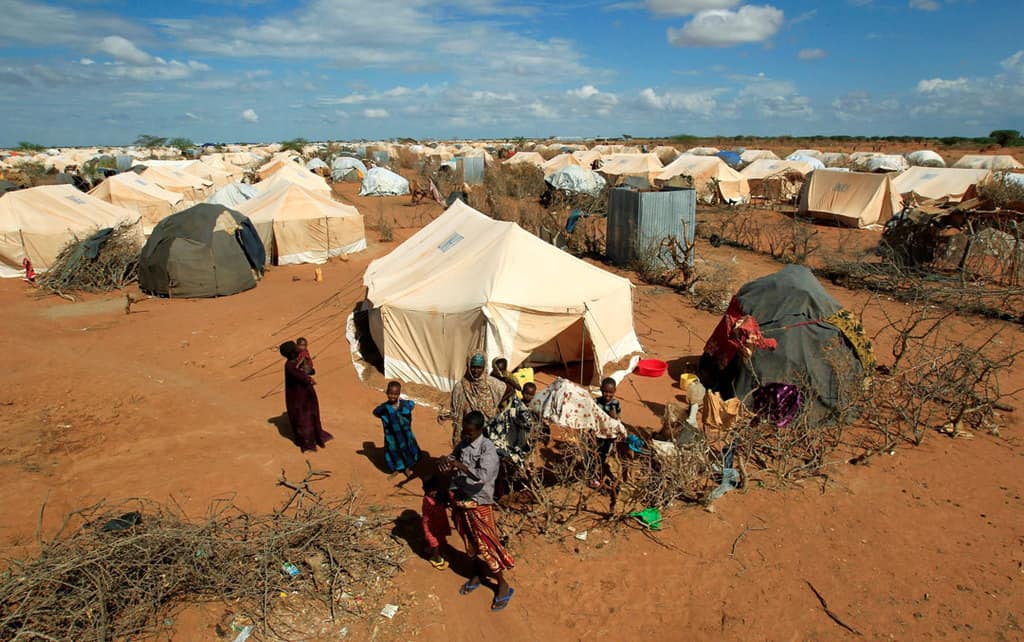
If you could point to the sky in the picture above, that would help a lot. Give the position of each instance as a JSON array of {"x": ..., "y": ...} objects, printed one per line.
[{"x": 95, "y": 72}]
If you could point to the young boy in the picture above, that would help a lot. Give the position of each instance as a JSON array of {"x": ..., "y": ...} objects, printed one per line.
[
  {"x": 305, "y": 363},
  {"x": 436, "y": 528},
  {"x": 610, "y": 405},
  {"x": 401, "y": 452}
]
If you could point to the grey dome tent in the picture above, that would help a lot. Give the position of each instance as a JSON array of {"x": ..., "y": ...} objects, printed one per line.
[{"x": 207, "y": 250}]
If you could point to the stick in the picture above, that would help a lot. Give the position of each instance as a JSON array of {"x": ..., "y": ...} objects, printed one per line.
[
  {"x": 741, "y": 536},
  {"x": 832, "y": 616}
]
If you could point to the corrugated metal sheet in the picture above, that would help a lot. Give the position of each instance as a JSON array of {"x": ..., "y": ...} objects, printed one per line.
[
  {"x": 638, "y": 221},
  {"x": 471, "y": 169}
]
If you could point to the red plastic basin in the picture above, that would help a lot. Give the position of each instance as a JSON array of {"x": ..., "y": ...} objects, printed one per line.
[{"x": 651, "y": 368}]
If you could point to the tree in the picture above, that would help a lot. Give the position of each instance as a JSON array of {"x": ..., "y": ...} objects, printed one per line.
[
  {"x": 145, "y": 140},
  {"x": 1006, "y": 137},
  {"x": 295, "y": 144},
  {"x": 181, "y": 144},
  {"x": 25, "y": 146}
]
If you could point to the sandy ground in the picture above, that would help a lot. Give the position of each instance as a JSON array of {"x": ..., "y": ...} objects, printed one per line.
[{"x": 183, "y": 398}]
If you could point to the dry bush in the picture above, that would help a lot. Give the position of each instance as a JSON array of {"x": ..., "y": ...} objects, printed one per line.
[
  {"x": 407, "y": 159},
  {"x": 522, "y": 181},
  {"x": 114, "y": 267},
  {"x": 669, "y": 262},
  {"x": 104, "y": 577},
  {"x": 792, "y": 240},
  {"x": 1000, "y": 191},
  {"x": 384, "y": 230},
  {"x": 713, "y": 287}
]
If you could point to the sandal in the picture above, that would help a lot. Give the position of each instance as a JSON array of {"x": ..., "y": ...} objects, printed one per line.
[
  {"x": 440, "y": 563},
  {"x": 468, "y": 587},
  {"x": 500, "y": 603}
]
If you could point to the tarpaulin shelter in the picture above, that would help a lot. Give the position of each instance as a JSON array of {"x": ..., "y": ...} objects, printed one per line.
[
  {"x": 854, "y": 199},
  {"x": 703, "y": 151},
  {"x": 816, "y": 349},
  {"x": 346, "y": 168},
  {"x": 835, "y": 159},
  {"x": 814, "y": 161},
  {"x": 462, "y": 283},
  {"x": 751, "y": 155},
  {"x": 380, "y": 181},
  {"x": 712, "y": 178},
  {"x": 574, "y": 178},
  {"x": 233, "y": 194},
  {"x": 732, "y": 159},
  {"x": 300, "y": 226},
  {"x": 993, "y": 162},
  {"x": 132, "y": 191},
  {"x": 919, "y": 184},
  {"x": 925, "y": 158},
  {"x": 809, "y": 153},
  {"x": 560, "y": 162},
  {"x": 204, "y": 251},
  {"x": 881, "y": 163},
  {"x": 37, "y": 223}
]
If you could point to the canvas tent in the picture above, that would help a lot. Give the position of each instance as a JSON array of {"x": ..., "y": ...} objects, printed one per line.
[
  {"x": 37, "y": 223},
  {"x": 919, "y": 184},
  {"x": 775, "y": 180},
  {"x": 580, "y": 180},
  {"x": 300, "y": 226},
  {"x": 801, "y": 154},
  {"x": 751, "y": 155},
  {"x": 712, "y": 178},
  {"x": 380, "y": 181},
  {"x": 529, "y": 158},
  {"x": 814, "y": 355},
  {"x": 560, "y": 162},
  {"x": 204, "y": 251},
  {"x": 854, "y": 199},
  {"x": 133, "y": 192},
  {"x": 644, "y": 166},
  {"x": 702, "y": 151},
  {"x": 233, "y": 194},
  {"x": 981, "y": 161},
  {"x": 457, "y": 285},
  {"x": 192, "y": 187},
  {"x": 292, "y": 173}
]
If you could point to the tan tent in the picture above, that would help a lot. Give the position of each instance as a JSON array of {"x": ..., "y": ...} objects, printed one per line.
[
  {"x": 775, "y": 180},
  {"x": 293, "y": 173},
  {"x": 665, "y": 153},
  {"x": 982, "y": 161},
  {"x": 464, "y": 282},
  {"x": 560, "y": 162},
  {"x": 712, "y": 178},
  {"x": 751, "y": 155},
  {"x": 646, "y": 166},
  {"x": 133, "y": 192},
  {"x": 586, "y": 158},
  {"x": 925, "y": 183},
  {"x": 282, "y": 159},
  {"x": 37, "y": 223},
  {"x": 529, "y": 158},
  {"x": 190, "y": 186},
  {"x": 300, "y": 226},
  {"x": 854, "y": 199}
]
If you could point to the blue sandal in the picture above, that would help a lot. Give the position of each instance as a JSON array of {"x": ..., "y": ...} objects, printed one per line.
[
  {"x": 468, "y": 587},
  {"x": 500, "y": 603}
]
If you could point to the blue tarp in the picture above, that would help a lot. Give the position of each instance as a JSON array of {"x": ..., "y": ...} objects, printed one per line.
[{"x": 732, "y": 159}]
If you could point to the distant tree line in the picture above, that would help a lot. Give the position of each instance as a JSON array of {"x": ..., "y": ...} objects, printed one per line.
[{"x": 1001, "y": 137}]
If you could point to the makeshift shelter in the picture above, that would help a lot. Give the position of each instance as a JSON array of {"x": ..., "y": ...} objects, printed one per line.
[
  {"x": 644, "y": 166},
  {"x": 800, "y": 154},
  {"x": 775, "y": 180},
  {"x": 132, "y": 191},
  {"x": 817, "y": 349},
  {"x": 458, "y": 285},
  {"x": 276, "y": 163},
  {"x": 529, "y": 158},
  {"x": 233, "y": 194},
  {"x": 665, "y": 153},
  {"x": 380, "y": 181},
  {"x": 835, "y": 159},
  {"x": 204, "y": 251},
  {"x": 993, "y": 162},
  {"x": 713, "y": 180},
  {"x": 317, "y": 166},
  {"x": 348, "y": 169},
  {"x": 880, "y": 163},
  {"x": 854, "y": 199},
  {"x": 300, "y": 226},
  {"x": 813, "y": 161},
  {"x": 560, "y": 162},
  {"x": 580, "y": 180},
  {"x": 703, "y": 151},
  {"x": 732, "y": 159},
  {"x": 36, "y": 223},
  {"x": 953, "y": 185},
  {"x": 925, "y": 158}
]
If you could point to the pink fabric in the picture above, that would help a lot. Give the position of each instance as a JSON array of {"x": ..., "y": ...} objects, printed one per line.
[{"x": 436, "y": 527}]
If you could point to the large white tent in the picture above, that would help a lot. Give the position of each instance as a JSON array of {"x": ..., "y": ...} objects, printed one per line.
[
  {"x": 133, "y": 192},
  {"x": 292, "y": 173},
  {"x": 233, "y": 194},
  {"x": 297, "y": 225},
  {"x": 37, "y": 223},
  {"x": 646, "y": 166},
  {"x": 192, "y": 187},
  {"x": 458, "y": 285},
  {"x": 926, "y": 183},
  {"x": 380, "y": 181}
]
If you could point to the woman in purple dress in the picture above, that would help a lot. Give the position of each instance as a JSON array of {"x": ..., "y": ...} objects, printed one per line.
[{"x": 302, "y": 402}]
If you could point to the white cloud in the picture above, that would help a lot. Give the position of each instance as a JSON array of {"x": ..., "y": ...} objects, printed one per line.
[
  {"x": 340, "y": 114},
  {"x": 686, "y": 7},
  {"x": 87, "y": 61},
  {"x": 723, "y": 28},
  {"x": 1014, "y": 62},
  {"x": 859, "y": 106},
  {"x": 812, "y": 54},
  {"x": 250, "y": 116},
  {"x": 375, "y": 113},
  {"x": 39, "y": 24},
  {"x": 124, "y": 50},
  {"x": 935, "y": 85},
  {"x": 189, "y": 115},
  {"x": 700, "y": 102},
  {"x": 924, "y": 5},
  {"x": 584, "y": 92}
]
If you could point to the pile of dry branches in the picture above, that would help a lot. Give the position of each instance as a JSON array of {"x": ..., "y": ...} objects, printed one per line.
[
  {"x": 116, "y": 570},
  {"x": 114, "y": 267}
]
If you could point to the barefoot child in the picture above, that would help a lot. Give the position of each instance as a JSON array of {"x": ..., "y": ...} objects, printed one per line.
[
  {"x": 610, "y": 405},
  {"x": 436, "y": 528},
  {"x": 305, "y": 362},
  {"x": 401, "y": 452}
]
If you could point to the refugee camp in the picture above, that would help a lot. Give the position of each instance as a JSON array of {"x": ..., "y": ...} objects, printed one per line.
[{"x": 444, "y": 321}]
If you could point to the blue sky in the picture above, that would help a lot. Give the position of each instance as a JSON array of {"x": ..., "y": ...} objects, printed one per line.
[{"x": 103, "y": 72}]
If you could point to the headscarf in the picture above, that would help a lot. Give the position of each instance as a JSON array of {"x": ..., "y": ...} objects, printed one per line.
[{"x": 475, "y": 393}]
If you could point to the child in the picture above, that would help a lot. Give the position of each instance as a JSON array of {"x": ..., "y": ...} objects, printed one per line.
[
  {"x": 610, "y": 405},
  {"x": 529, "y": 392},
  {"x": 401, "y": 452},
  {"x": 436, "y": 528},
  {"x": 499, "y": 370},
  {"x": 305, "y": 362}
]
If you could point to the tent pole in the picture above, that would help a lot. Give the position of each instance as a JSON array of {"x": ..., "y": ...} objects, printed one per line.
[{"x": 583, "y": 345}]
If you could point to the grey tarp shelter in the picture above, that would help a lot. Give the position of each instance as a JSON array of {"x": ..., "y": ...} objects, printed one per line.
[{"x": 207, "y": 250}]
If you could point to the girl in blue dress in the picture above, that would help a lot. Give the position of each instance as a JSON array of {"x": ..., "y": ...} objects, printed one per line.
[{"x": 401, "y": 452}]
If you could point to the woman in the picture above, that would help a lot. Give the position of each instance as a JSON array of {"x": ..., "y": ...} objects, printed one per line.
[
  {"x": 475, "y": 391},
  {"x": 302, "y": 402}
]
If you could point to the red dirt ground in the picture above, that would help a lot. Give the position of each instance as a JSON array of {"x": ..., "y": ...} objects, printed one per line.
[{"x": 178, "y": 399}]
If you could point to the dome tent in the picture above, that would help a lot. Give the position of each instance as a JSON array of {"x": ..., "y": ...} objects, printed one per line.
[
  {"x": 380, "y": 181},
  {"x": 205, "y": 251}
]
